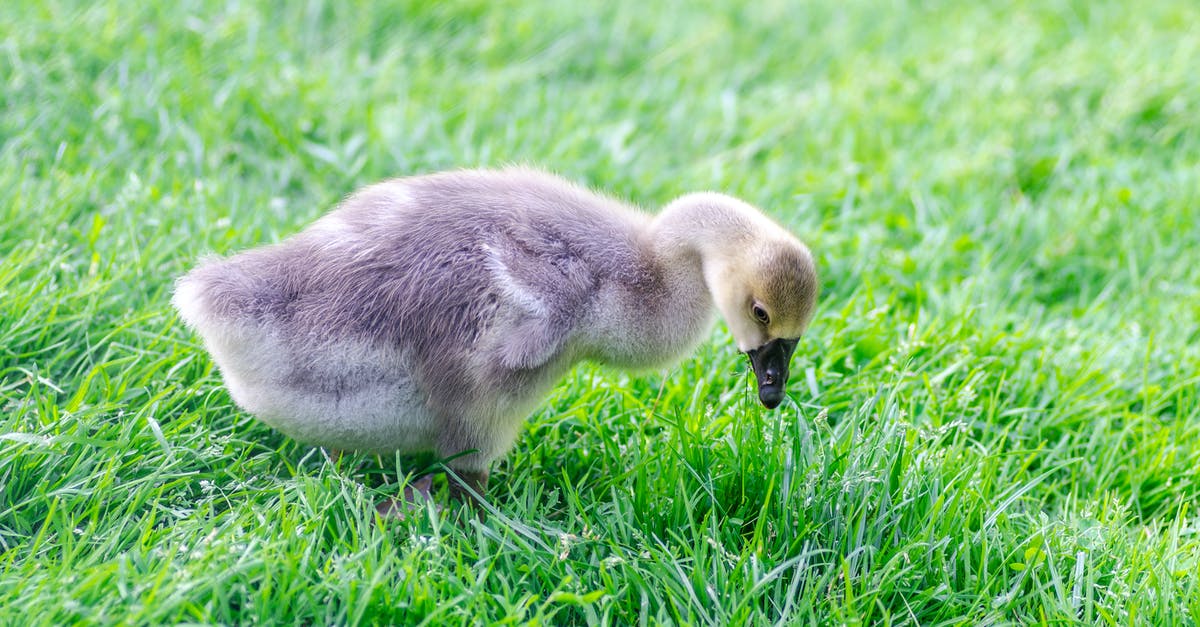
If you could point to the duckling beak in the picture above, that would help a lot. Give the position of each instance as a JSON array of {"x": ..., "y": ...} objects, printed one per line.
[{"x": 770, "y": 363}]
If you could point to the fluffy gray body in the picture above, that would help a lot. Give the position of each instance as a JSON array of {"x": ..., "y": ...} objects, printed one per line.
[{"x": 434, "y": 312}]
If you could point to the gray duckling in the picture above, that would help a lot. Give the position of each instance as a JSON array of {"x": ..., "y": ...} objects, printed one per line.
[{"x": 433, "y": 313}]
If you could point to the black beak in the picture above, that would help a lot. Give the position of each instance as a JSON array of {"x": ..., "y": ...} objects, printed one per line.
[{"x": 770, "y": 363}]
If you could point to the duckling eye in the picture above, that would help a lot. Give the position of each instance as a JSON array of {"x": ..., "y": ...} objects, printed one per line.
[{"x": 760, "y": 314}]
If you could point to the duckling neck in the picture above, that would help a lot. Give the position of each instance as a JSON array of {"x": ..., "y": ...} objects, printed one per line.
[
  {"x": 665, "y": 319},
  {"x": 662, "y": 314},
  {"x": 701, "y": 231}
]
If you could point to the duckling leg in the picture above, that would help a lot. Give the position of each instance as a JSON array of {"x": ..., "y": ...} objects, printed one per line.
[{"x": 467, "y": 485}]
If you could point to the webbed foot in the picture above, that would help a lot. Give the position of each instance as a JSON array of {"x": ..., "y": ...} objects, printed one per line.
[
  {"x": 411, "y": 502},
  {"x": 463, "y": 486}
]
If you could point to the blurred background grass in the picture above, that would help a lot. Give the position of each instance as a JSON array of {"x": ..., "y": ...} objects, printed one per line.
[{"x": 995, "y": 413}]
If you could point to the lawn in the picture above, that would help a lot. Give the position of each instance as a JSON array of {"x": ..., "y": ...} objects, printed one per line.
[{"x": 994, "y": 418}]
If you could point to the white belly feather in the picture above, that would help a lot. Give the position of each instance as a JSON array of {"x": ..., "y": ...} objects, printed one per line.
[{"x": 374, "y": 407}]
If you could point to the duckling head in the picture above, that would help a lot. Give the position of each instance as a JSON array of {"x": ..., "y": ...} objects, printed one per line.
[
  {"x": 760, "y": 277},
  {"x": 766, "y": 289}
]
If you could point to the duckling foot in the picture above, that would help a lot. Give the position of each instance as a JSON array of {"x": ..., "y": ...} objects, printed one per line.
[
  {"x": 463, "y": 486},
  {"x": 411, "y": 503}
]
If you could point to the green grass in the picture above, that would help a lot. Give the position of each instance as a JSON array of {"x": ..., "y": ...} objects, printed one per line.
[{"x": 997, "y": 409}]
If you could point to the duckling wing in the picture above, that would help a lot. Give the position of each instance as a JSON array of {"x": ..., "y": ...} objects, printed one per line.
[{"x": 549, "y": 285}]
